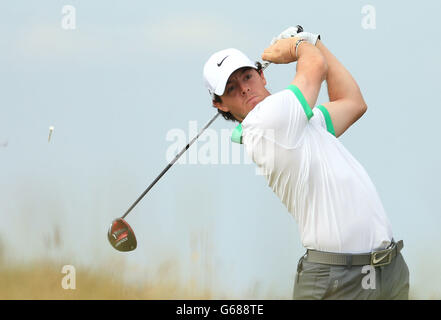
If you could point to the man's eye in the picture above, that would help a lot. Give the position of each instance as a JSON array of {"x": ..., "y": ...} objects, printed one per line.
[{"x": 230, "y": 89}]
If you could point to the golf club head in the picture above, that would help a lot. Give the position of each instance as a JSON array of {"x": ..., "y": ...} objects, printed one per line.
[{"x": 121, "y": 235}]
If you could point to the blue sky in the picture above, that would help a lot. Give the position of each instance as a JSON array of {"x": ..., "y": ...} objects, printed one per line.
[{"x": 131, "y": 71}]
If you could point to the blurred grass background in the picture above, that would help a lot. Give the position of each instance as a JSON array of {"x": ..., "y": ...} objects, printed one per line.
[{"x": 42, "y": 280}]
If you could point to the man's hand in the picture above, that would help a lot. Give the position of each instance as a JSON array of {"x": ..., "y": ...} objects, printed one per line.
[{"x": 282, "y": 51}]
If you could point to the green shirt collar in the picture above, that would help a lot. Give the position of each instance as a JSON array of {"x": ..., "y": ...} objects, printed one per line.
[{"x": 236, "y": 136}]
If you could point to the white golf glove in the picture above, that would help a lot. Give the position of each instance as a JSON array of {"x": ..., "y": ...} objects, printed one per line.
[
  {"x": 309, "y": 37},
  {"x": 288, "y": 33},
  {"x": 292, "y": 32}
]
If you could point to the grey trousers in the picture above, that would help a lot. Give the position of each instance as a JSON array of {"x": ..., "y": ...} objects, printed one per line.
[{"x": 321, "y": 281}]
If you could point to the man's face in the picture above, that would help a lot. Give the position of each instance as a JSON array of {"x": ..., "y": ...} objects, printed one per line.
[{"x": 244, "y": 90}]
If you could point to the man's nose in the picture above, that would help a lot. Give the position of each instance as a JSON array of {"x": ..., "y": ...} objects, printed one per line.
[{"x": 244, "y": 89}]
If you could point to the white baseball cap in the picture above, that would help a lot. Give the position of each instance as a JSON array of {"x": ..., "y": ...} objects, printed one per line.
[{"x": 220, "y": 66}]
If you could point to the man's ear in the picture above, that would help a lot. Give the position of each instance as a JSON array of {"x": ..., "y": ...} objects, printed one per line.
[
  {"x": 220, "y": 106},
  {"x": 263, "y": 77}
]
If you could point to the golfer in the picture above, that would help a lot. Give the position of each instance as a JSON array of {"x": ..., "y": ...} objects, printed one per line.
[{"x": 350, "y": 249}]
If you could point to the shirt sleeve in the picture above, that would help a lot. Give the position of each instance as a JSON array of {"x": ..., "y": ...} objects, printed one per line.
[
  {"x": 281, "y": 117},
  {"x": 323, "y": 118}
]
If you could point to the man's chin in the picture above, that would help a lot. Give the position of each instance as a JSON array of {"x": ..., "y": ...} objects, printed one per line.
[{"x": 254, "y": 101}]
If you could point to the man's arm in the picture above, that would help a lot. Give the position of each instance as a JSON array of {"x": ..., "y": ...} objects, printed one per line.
[
  {"x": 346, "y": 104},
  {"x": 311, "y": 67},
  {"x": 311, "y": 71}
]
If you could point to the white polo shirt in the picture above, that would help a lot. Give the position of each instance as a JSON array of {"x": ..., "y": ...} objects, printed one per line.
[{"x": 327, "y": 191}]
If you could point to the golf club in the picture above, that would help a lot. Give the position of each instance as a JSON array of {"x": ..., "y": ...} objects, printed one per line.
[{"x": 120, "y": 234}]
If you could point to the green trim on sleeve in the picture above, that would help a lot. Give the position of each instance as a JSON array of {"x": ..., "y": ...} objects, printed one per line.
[
  {"x": 328, "y": 120},
  {"x": 299, "y": 95},
  {"x": 236, "y": 136}
]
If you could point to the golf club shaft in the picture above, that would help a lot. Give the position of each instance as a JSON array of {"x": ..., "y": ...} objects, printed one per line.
[
  {"x": 265, "y": 64},
  {"x": 169, "y": 165}
]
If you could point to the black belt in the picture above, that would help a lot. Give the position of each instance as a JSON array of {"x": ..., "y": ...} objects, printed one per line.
[{"x": 375, "y": 258}]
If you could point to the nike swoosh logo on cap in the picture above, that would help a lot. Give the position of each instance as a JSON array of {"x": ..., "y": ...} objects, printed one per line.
[{"x": 220, "y": 63}]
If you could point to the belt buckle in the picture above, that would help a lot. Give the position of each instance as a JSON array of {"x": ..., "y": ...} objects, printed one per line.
[{"x": 380, "y": 261}]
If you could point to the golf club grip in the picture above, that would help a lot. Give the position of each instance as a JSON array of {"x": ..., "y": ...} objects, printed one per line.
[{"x": 170, "y": 165}]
